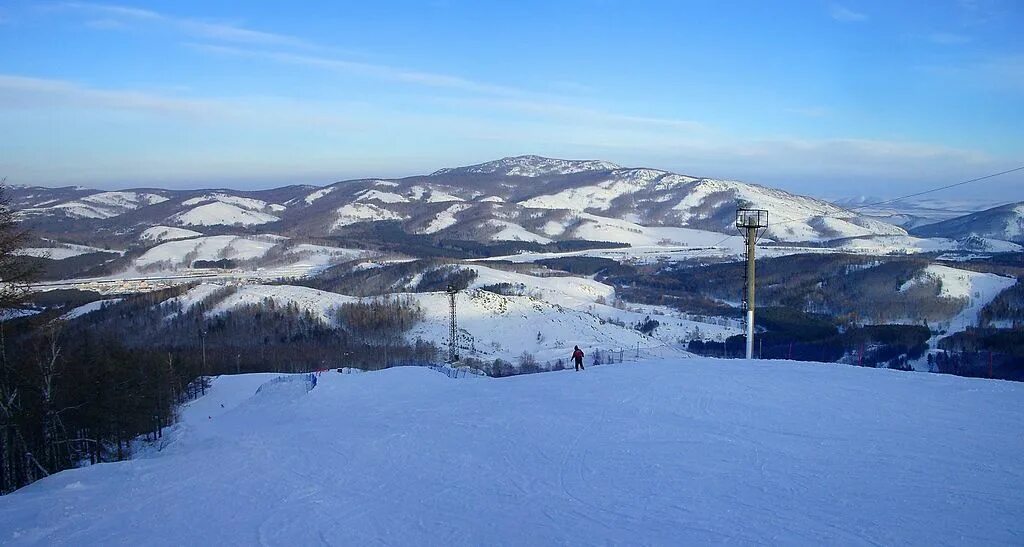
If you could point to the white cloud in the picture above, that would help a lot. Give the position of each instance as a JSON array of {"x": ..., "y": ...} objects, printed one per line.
[{"x": 846, "y": 15}]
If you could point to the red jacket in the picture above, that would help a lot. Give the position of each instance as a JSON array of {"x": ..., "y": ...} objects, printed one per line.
[{"x": 577, "y": 355}]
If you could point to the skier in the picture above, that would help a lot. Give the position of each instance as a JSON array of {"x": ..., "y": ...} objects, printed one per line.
[{"x": 577, "y": 357}]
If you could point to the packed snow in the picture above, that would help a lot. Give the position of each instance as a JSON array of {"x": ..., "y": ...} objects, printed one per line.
[{"x": 671, "y": 452}]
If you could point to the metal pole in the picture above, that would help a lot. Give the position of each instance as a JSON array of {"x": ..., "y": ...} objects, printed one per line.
[
  {"x": 751, "y": 240},
  {"x": 453, "y": 332}
]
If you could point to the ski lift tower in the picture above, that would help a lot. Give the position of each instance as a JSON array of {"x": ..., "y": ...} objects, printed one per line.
[
  {"x": 752, "y": 223},
  {"x": 453, "y": 331}
]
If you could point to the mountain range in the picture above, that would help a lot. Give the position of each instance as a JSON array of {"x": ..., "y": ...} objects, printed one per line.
[{"x": 525, "y": 198}]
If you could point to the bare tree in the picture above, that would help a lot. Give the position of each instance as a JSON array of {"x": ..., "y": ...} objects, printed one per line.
[{"x": 15, "y": 271}]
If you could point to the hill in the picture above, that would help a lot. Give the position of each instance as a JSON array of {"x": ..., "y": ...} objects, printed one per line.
[
  {"x": 522, "y": 198},
  {"x": 1005, "y": 222},
  {"x": 692, "y": 451}
]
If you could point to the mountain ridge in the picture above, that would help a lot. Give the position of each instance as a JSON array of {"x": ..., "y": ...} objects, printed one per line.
[{"x": 529, "y": 198}]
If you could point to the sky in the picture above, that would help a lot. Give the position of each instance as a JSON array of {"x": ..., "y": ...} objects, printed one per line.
[{"x": 874, "y": 98}]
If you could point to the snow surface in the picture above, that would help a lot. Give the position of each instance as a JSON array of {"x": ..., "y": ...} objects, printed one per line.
[
  {"x": 976, "y": 289},
  {"x": 175, "y": 253},
  {"x": 250, "y": 204},
  {"x": 89, "y": 308},
  {"x": 362, "y": 212},
  {"x": 445, "y": 219},
  {"x": 320, "y": 303},
  {"x": 319, "y": 194},
  {"x": 510, "y": 231},
  {"x": 167, "y": 233},
  {"x": 221, "y": 213},
  {"x": 680, "y": 452},
  {"x": 906, "y": 244},
  {"x": 100, "y": 205},
  {"x": 61, "y": 251},
  {"x": 383, "y": 197},
  {"x": 599, "y": 228}
]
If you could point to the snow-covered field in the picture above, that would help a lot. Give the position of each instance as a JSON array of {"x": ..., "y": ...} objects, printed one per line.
[{"x": 683, "y": 452}]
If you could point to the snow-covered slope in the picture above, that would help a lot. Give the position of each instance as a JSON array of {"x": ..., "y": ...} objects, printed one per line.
[
  {"x": 1005, "y": 222},
  {"x": 222, "y": 213},
  {"x": 684, "y": 452},
  {"x": 60, "y": 251},
  {"x": 100, "y": 205},
  {"x": 492, "y": 325},
  {"x": 183, "y": 252},
  {"x": 167, "y": 233},
  {"x": 320, "y": 303},
  {"x": 912, "y": 245},
  {"x": 363, "y": 212},
  {"x": 975, "y": 289},
  {"x": 654, "y": 197}
]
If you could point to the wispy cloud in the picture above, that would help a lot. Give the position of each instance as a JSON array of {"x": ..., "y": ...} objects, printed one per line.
[
  {"x": 21, "y": 91},
  {"x": 846, "y": 15},
  {"x": 380, "y": 71},
  {"x": 124, "y": 15},
  {"x": 489, "y": 95},
  {"x": 948, "y": 38}
]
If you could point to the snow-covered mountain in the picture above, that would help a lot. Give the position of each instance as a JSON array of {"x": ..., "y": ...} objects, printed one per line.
[
  {"x": 100, "y": 205},
  {"x": 661, "y": 452},
  {"x": 1005, "y": 222},
  {"x": 530, "y": 166},
  {"x": 526, "y": 198}
]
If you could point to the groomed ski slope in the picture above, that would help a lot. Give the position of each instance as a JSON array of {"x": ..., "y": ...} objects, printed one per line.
[{"x": 692, "y": 451}]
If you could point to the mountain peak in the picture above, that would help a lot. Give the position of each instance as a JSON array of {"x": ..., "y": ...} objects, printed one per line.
[{"x": 530, "y": 166}]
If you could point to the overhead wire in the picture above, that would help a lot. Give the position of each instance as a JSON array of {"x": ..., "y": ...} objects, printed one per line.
[{"x": 893, "y": 200}]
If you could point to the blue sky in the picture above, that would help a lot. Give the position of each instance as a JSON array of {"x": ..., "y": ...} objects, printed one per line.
[{"x": 825, "y": 98}]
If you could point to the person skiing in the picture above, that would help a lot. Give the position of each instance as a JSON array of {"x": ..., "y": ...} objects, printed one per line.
[{"x": 577, "y": 357}]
